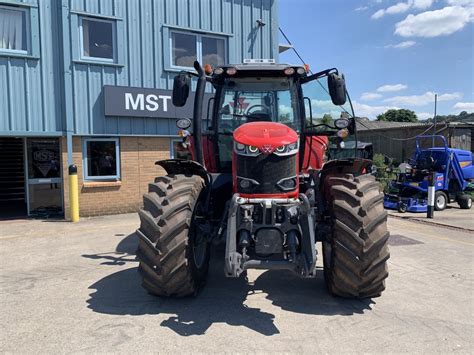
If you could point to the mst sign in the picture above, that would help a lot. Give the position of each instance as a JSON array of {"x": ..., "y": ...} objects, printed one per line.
[{"x": 140, "y": 102}]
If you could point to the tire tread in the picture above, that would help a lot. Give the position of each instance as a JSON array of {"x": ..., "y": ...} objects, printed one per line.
[{"x": 359, "y": 245}]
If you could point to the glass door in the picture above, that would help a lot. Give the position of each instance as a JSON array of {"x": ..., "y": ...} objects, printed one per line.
[{"x": 45, "y": 196}]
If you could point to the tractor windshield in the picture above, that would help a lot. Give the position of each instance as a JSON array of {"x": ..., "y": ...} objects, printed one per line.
[
  {"x": 255, "y": 99},
  {"x": 320, "y": 111}
]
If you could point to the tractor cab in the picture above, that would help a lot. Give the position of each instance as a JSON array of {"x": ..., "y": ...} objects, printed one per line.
[{"x": 314, "y": 106}]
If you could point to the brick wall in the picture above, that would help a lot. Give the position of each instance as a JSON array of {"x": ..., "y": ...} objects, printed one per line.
[{"x": 138, "y": 169}]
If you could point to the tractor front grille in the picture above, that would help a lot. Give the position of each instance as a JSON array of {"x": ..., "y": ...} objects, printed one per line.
[{"x": 266, "y": 171}]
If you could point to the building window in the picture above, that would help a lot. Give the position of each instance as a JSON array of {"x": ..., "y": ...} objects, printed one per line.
[
  {"x": 98, "y": 39},
  {"x": 213, "y": 51},
  {"x": 14, "y": 28},
  {"x": 101, "y": 159},
  {"x": 188, "y": 47}
]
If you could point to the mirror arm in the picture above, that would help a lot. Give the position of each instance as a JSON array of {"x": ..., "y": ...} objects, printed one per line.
[{"x": 319, "y": 75}]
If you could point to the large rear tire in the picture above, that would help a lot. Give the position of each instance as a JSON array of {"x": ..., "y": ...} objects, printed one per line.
[
  {"x": 465, "y": 201},
  {"x": 173, "y": 255},
  {"x": 356, "y": 254}
]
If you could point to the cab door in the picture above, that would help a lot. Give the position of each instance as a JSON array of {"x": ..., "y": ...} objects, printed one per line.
[{"x": 320, "y": 114}]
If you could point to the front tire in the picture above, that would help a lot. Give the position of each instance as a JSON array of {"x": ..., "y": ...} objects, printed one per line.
[
  {"x": 402, "y": 207},
  {"x": 441, "y": 201},
  {"x": 355, "y": 257},
  {"x": 173, "y": 255}
]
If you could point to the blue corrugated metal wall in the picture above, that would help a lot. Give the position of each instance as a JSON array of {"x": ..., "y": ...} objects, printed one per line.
[
  {"x": 30, "y": 91},
  {"x": 40, "y": 99}
]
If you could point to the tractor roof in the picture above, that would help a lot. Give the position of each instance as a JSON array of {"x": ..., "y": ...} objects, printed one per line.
[
  {"x": 261, "y": 66},
  {"x": 260, "y": 69}
]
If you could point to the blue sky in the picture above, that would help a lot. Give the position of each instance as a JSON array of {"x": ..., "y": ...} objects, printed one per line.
[{"x": 394, "y": 53}]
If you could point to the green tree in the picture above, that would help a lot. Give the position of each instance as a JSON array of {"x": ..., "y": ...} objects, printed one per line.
[
  {"x": 383, "y": 174},
  {"x": 401, "y": 115},
  {"x": 327, "y": 119}
]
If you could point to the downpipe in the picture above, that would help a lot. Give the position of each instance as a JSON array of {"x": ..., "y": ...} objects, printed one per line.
[{"x": 197, "y": 113}]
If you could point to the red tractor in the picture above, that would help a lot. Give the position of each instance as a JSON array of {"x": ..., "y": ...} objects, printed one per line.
[{"x": 258, "y": 180}]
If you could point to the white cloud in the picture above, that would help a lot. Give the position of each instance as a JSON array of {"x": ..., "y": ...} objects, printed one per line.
[
  {"x": 361, "y": 8},
  {"x": 364, "y": 110},
  {"x": 378, "y": 14},
  {"x": 322, "y": 107},
  {"x": 402, "y": 7},
  {"x": 322, "y": 104},
  {"x": 424, "y": 115},
  {"x": 422, "y": 4},
  {"x": 464, "y": 106},
  {"x": 391, "y": 88},
  {"x": 401, "y": 45},
  {"x": 399, "y": 8},
  {"x": 367, "y": 96},
  {"x": 421, "y": 100},
  {"x": 283, "y": 109},
  {"x": 460, "y": 2},
  {"x": 434, "y": 23}
]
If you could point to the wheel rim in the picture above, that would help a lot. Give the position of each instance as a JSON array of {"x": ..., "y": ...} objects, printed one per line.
[{"x": 441, "y": 201}]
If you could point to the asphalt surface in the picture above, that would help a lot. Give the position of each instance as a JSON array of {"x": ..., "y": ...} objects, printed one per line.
[
  {"x": 452, "y": 216},
  {"x": 74, "y": 288}
]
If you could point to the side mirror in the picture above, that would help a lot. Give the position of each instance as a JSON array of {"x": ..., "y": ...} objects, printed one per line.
[
  {"x": 181, "y": 85},
  {"x": 337, "y": 88}
]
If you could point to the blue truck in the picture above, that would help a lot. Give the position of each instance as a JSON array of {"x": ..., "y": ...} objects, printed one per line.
[{"x": 452, "y": 171}]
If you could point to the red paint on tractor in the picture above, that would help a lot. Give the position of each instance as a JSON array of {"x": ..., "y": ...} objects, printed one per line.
[{"x": 315, "y": 148}]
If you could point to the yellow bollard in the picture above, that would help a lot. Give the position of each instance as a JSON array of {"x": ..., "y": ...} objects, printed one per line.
[{"x": 73, "y": 193}]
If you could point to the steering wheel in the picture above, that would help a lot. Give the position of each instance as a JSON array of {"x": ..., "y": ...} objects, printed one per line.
[
  {"x": 255, "y": 107},
  {"x": 426, "y": 163}
]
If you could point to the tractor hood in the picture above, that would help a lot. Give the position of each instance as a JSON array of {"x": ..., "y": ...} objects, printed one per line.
[{"x": 266, "y": 136}]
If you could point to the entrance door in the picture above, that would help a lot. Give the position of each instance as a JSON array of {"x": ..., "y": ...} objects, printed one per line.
[
  {"x": 12, "y": 178},
  {"x": 44, "y": 177}
]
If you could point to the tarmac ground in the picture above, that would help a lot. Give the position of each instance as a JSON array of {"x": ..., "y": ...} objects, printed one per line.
[
  {"x": 452, "y": 216},
  {"x": 68, "y": 287}
]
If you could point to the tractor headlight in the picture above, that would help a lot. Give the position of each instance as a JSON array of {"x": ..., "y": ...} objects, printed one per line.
[
  {"x": 252, "y": 149},
  {"x": 288, "y": 149},
  {"x": 287, "y": 184},
  {"x": 243, "y": 149},
  {"x": 240, "y": 147}
]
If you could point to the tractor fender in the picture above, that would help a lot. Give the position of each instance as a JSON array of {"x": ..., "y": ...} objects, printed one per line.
[
  {"x": 345, "y": 166},
  {"x": 185, "y": 167},
  {"x": 354, "y": 166}
]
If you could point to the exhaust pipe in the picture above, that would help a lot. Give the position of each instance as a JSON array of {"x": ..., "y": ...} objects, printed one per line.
[{"x": 197, "y": 112}]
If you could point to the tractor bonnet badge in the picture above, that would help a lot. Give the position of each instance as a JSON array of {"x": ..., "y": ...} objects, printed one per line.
[{"x": 267, "y": 149}]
